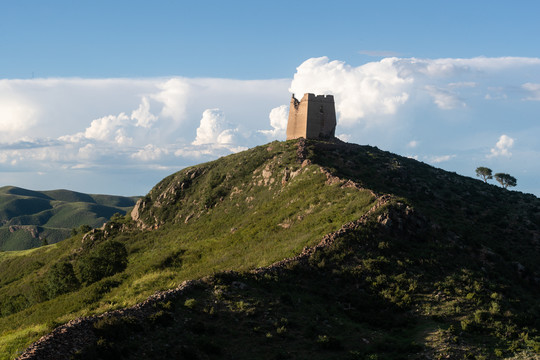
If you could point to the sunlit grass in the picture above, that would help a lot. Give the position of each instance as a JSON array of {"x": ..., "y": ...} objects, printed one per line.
[{"x": 15, "y": 341}]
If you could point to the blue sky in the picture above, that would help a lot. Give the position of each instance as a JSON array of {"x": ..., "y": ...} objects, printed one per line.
[
  {"x": 249, "y": 39},
  {"x": 111, "y": 96}
]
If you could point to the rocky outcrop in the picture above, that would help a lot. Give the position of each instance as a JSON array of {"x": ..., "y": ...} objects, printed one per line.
[
  {"x": 166, "y": 193},
  {"x": 108, "y": 230},
  {"x": 32, "y": 229},
  {"x": 137, "y": 210}
]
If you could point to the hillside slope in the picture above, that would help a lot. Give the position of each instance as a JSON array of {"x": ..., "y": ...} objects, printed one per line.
[
  {"x": 29, "y": 217},
  {"x": 386, "y": 257}
]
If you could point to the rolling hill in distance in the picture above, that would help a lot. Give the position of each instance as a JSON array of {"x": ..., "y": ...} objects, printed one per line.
[
  {"x": 291, "y": 250},
  {"x": 31, "y": 218}
]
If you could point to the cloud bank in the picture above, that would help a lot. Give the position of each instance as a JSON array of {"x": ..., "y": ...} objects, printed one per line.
[
  {"x": 369, "y": 93},
  {"x": 113, "y": 128}
]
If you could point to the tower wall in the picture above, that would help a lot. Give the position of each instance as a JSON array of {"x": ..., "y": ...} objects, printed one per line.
[
  {"x": 313, "y": 117},
  {"x": 297, "y": 124}
]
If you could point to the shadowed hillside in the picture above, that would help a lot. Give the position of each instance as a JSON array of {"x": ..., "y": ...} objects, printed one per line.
[
  {"x": 303, "y": 249},
  {"x": 30, "y": 218}
]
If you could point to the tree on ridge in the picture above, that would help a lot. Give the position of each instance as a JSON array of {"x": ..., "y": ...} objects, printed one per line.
[
  {"x": 505, "y": 180},
  {"x": 484, "y": 173}
]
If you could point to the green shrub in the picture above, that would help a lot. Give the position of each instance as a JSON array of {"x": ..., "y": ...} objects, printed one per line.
[
  {"x": 481, "y": 316},
  {"x": 61, "y": 279},
  {"x": 282, "y": 330},
  {"x": 83, "y": 229},
  {"x": 161, "y": 318},
  {"x": 108, "y": 258},
  {"x": 13, "y": 304},
  {"x": 328, "y": 342},
  {"x": 190, "y": 303},
  {"x": 466, "y": 324}
]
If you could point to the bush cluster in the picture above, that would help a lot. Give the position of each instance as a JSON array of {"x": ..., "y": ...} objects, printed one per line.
[
  {"x": 108, "y": 258},
  {"x": 61, "y": 279}
]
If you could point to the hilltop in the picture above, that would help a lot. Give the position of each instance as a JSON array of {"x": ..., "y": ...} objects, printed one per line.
[
  {"x": 292, "y": 250},
  {"x": 30, "y": 218}
]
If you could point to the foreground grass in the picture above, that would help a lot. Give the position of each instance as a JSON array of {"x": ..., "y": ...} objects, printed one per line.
[{"x": 13, "y": 341}]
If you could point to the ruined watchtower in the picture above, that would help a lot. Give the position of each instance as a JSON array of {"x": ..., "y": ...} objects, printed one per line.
[{"x": 313, "y": 117}]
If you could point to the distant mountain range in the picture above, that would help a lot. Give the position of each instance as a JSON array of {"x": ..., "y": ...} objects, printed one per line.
[{"x": 32, "y": 218}]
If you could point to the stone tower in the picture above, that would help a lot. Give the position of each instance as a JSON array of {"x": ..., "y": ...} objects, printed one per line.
[{"x": 313, "y": 117}]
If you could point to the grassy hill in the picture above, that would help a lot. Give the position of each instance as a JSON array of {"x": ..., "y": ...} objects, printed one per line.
[
  {"x": 28, "y": 217},
  {"x": 387, "y": 258}
]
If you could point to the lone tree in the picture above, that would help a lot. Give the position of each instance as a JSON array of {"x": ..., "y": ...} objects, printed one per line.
[
  {"x": 505, "y": 180},
  {"x": 106, "y": 259},
  {"x": 61, "y": 279},
  {"x": 484, "y": 173}
]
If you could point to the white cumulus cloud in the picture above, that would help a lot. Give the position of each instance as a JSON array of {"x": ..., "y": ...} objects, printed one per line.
[
  {"x": 142, "y": 114},
  {"x": 279, "y": 117},
  {"x": 502, "y": 147},
  {"x": 122, "y": 138},
  {"x": 119, "y": 129},
  {"x": 214, "y": 129},
  {"x": 173, "y": 96},
  {"x": 87, "y": 151},
  {"x": 373, "y": 88},
  {"x": 107, "y": 127},
  {"x": 367, "y": 93},
  {"x": 149, "y": 153},
  {"x": 16, "y": 116}
]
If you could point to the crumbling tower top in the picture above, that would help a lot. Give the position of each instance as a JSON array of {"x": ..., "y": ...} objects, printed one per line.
[{"x": 313, "y": 117}]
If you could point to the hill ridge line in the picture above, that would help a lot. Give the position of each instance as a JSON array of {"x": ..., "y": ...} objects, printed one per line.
[{"x": 77, "y": 334}]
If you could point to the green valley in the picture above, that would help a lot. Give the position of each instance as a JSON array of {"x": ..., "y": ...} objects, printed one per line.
[{"x": 32, "y": 218}]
